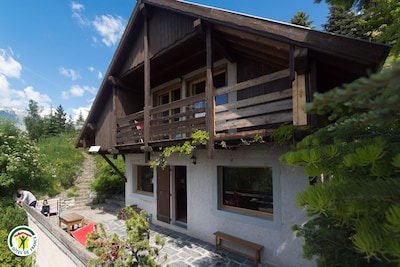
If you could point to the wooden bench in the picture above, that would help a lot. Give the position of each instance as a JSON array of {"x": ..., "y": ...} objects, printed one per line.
[
  {"x": 256, "y": 248},
  {"x": 54, "y": 204}
]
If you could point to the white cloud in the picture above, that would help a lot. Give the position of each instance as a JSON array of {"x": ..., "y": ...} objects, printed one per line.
[
  {"x": 110, "y": 28},
  {"x": 64, "y": 95},
  {"x": 16, "y": 98},
  {"x": 99, "y": 73},
  {"x": 19, "y": 99},
  {"x": 78, "y": 91},
  {"x": 9, "y": 66},
  {"x": 81, "y": 110},
  {"x": 70, "y": 73},
  {"x": 77, "y": 8}
]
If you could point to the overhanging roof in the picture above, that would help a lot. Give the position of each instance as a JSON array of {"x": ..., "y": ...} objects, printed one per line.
[{"x": 255, "y": 29}]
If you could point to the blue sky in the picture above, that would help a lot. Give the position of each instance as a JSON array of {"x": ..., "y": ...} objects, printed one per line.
[{"x": 57, "y": 52}]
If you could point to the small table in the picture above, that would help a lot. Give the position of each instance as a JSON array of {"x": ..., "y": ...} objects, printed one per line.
[{"x": 70, "y": 220}]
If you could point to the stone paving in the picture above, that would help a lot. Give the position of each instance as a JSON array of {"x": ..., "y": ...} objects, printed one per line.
[{"x": 181, "y": 249}]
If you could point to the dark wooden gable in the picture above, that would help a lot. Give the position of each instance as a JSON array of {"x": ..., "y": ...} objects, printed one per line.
[{"x": 181, "y": 36}]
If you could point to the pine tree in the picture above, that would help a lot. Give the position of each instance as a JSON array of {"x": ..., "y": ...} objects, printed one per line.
[
  {"x": 342, "y": 22},
  {"x": 80, "y": 121},
  {"x": 51, "y": 125},
  {"x": 60, "y": 119},
  {"x": 381, "y": 23},
  {"x": 301, "y": 18},
  {"x": 135, "y": 250},
  {"x": 33, "y": 122},
  {"x": 348, "y": 4},
  {"x": 354, "y": 162}
]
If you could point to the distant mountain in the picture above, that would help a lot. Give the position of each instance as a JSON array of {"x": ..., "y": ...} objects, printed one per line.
[{"x": 14, "y": 115}]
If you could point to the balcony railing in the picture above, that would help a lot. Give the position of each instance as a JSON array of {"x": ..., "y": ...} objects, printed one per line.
[{"x": 233, "y": 118}]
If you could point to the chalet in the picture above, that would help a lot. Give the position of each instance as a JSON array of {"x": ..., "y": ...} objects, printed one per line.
[{"x": 182, "y": 67}]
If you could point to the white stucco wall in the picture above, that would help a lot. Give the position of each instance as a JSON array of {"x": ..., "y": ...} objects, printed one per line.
[
  {"x": 281, "y": 247},
  {"x": 50, "y": 252}
]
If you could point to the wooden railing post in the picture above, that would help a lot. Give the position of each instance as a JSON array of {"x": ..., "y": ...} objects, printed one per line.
[
  {"x": 147, "y": 97},
  {"x": 299, "y": 70},
  {"x": 210, "y": 105}
]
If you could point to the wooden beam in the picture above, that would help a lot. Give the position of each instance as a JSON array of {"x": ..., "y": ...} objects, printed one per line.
[
  {"x": 299, "y": 88},
  {"x": 210, "y": 105},
  {"x": 116, "y": 82},
  {"x": 254, "y": 82},
  {"x": 301, "y": 60},
  {"x": 114, "y": 167},
  {"x": 147, "y": 96},
  {"x": 198, "y": 26}
]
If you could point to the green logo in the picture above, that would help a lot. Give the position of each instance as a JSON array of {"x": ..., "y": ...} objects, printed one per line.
[{"x": 22, "y": 240}]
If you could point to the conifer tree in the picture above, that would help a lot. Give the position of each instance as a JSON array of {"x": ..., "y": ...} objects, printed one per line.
[
  {"x": 33, "y": 122},
  {"x": 354, "y": 162},
  {"x": 342, "y": 22},
  {"x": 60, "y": 119},
  {"x": 80, "y": 121},
  {"x": 301, "y": 18}
]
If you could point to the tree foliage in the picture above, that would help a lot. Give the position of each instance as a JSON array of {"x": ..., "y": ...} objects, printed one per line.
[
  {"x": 10, "y": 217},
  {"x": 198, "y": 138},
  {"x": 136, "y": 250},
  {"x": 302, "y": 18},
  {"x": 377, "y": 20},
  {"x": 381, "y": 22},
  {"x": 33, "y": 122},
  {"x": 52, "y": 125},
  {"x": 20, "y": 164},
  {"x": 354, "y": 205},
  {"x": 347, "y": 4},
  {"x": 342, "y": 22}
]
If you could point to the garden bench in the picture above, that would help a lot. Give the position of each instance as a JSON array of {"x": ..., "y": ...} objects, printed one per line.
[
  {"x": 238, "y": 242},
  {"x": 54, "y": 204}
]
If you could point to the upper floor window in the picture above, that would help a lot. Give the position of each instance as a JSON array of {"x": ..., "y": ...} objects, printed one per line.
[
  {"x": 246, "y": 189},
  {"x": 144, "y": 179},
  {"x": 198, "y": 86}
]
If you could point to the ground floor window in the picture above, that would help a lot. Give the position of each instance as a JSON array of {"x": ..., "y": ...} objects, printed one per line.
[
  {"x": 246, "y": 189},
  {"x": 144, "y": 180}
]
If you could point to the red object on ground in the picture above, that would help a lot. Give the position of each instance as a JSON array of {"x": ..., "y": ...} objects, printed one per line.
[{"x": 81, "y": 233}]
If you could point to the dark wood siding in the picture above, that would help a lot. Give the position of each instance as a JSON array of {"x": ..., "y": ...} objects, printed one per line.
[
  {"x": 105, "y": 134},
  {"x": 166, "y": 28},
  {"x": 249, "y": 69},
  {"x": 136, "y": 54}
]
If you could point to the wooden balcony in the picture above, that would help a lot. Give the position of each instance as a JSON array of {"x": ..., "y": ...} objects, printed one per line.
[{"x": 252, "y": 114}]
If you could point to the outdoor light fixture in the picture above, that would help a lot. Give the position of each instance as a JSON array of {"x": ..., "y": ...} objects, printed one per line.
[
  {"x": 94, "y": 149},
  {"x": 193, "y": 159}
]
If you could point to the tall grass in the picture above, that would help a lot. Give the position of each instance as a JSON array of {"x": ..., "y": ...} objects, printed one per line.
[{"x": 63, "y": 161}]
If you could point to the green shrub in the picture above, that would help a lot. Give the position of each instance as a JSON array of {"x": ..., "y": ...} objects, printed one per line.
[
  {"x": 12, "y": 216},
  {"x": 71, "y": 194},
  {"x": 136, "y": 250},
  {"x": 107, "y": 181}
]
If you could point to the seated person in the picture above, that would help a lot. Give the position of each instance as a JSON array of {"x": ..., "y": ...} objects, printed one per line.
[{"x": 45, "y": 208}]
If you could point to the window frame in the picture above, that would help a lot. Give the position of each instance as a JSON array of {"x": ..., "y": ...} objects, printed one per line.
[
  {"x": 241, "y": 210},
  {"x": 137, "y": 190}
]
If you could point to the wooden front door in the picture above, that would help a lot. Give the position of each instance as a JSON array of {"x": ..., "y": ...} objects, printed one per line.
[{"x": 163, "y": 195}]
